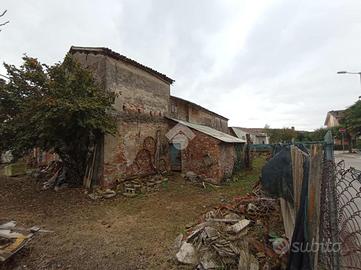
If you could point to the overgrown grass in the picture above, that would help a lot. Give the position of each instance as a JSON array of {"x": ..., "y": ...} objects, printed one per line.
[{"x": 243, "y": 181}]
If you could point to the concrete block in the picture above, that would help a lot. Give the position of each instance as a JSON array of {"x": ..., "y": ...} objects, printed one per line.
[{"x": 15, "y": 169}]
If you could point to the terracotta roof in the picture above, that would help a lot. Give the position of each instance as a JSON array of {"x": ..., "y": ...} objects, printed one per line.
[
  {"x": 117, "y": 56},
  {"x": 198, "y": 106},
  {"x": 338, "y": 114},
  {"x": 224, "y": 137}
]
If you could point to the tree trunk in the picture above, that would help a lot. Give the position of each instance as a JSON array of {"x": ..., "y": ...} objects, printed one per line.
[{"x": 73, "y": 167}]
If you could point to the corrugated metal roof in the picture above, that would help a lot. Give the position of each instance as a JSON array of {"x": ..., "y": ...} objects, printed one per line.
[
  {"x": 224, "y": 137},
  {"x": 237, "y": 131}
]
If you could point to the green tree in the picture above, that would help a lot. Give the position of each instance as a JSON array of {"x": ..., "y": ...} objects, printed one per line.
[
  {"x": 352, "y": 122},
  {"x": 59, "y": 108},
  {"x": 352, "y": 119},
  {"x": 280, "y": 135}
]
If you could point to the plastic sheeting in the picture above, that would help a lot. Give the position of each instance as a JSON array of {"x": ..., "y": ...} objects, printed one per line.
[{"x": 285, "y": 176}]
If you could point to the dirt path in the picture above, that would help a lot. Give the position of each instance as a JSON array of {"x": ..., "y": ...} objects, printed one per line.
[{"x": 118, "y": 233}]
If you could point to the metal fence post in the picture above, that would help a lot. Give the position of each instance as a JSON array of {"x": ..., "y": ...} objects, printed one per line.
[{"x": 332, "y": 199}]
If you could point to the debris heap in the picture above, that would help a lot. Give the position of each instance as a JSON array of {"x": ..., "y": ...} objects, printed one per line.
[
  {"x": 150, "y": 184},
  {"x": 13, "y": 238},
  {"x": 238, "y": 235}
]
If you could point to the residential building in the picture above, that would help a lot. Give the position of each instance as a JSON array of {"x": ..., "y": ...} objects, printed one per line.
[{"x": 333, "y": 118}]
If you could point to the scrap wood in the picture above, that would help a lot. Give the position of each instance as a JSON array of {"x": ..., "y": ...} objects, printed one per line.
[
  {"x": 8, "y": 250},
  {"x": 90, "y": 170},
  {"x": 252, "y": 199},
  {"x": 13, "y": 238}
]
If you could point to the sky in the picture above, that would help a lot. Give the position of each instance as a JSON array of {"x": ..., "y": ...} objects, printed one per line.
[{"x": 257, "y": 62}]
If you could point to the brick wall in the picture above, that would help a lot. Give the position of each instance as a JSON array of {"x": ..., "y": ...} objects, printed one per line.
[{"x": 208, "y": 157}]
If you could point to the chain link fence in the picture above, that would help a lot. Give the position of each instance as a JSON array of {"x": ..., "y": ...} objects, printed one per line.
[{"x": 340, "y": 219}]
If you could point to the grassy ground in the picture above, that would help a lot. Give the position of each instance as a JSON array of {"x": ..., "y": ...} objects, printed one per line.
[{"x": 119, "y": 233}]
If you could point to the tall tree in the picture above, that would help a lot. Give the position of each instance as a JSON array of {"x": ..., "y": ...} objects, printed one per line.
[
  {"x": 59, "y": 108},
  {"x": 352, "y": 122},
  {"x": 352, "y": 119}
]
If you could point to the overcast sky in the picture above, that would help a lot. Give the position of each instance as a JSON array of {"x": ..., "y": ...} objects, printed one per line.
[{"x": 256, "y": 62}]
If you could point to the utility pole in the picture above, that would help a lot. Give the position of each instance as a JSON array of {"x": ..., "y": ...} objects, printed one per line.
[{"x": 354, "y": 73}]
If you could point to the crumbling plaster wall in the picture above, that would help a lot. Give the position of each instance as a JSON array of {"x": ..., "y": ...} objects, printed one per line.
[
  {"x": 227, "y": 160},
  {"x": 95, "y": 63},
  {"x": 141, "y": 103},
  {"x": 206, "y": 118},
  {"x": 179, "y": 109},
  {"x": 189, "y": 112}
]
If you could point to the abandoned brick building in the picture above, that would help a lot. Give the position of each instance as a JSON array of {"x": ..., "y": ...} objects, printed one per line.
[{"x": 146, "y": 116}]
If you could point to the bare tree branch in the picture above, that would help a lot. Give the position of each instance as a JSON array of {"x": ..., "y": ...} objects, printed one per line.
[
  {"x": 2, "y": 24},
  {"x": 2, "y": 14}
]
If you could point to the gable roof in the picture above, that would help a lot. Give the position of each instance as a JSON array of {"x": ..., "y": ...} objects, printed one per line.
[
  {"x": 338, "y": 114},
  {"x": 224, "y": 137},
  {"x": 119, "y": 57},
  {"x": 197, "y": 106},
  {"x": 253, "y": 131}
]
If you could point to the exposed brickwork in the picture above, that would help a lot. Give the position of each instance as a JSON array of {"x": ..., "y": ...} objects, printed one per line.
[
  {"x": 141, "y": 104},
  {"x": 132, "y": 151},
  {"x": 208, "y": 157}
]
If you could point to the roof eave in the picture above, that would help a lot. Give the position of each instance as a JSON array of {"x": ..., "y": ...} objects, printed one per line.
[{"x": 117, "y": 56}]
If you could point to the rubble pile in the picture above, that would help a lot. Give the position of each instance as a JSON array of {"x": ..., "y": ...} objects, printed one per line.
[
  {"x": 13, "y": 238},
  {"x": 237, "y": 235},
  {"x": 144, "y": 185},
  {"x": 53, "y": 173},
  {"x": 198, "y": 180},
  {"x": 102, "y": 194}
]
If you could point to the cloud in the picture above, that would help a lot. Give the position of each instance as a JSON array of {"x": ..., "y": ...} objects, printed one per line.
[{"x": 256, "y": 62}]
